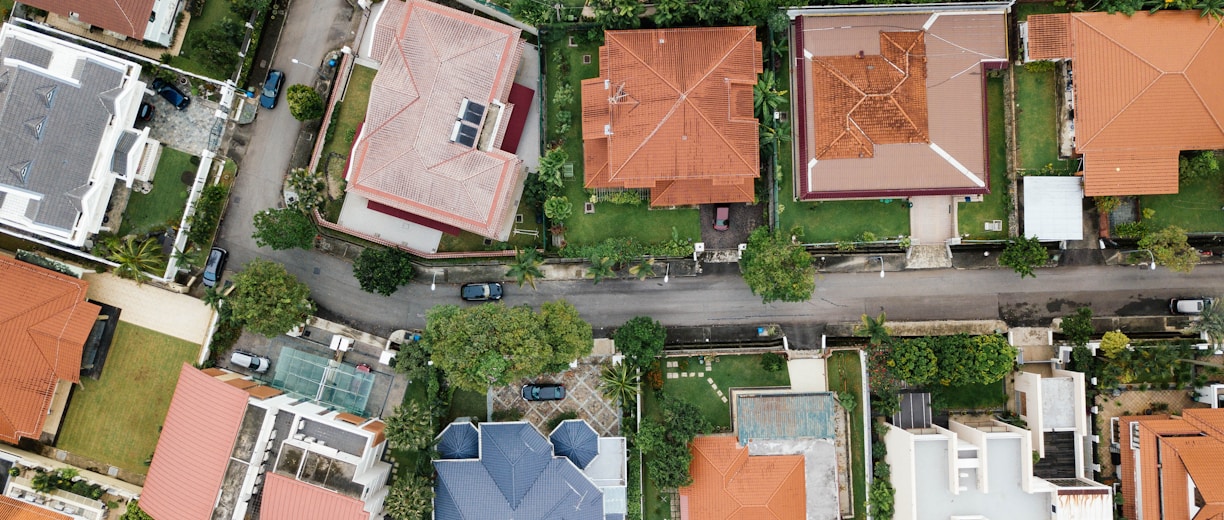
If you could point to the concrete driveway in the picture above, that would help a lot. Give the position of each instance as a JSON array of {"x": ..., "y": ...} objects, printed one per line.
[{"x": 169, "y": 313}]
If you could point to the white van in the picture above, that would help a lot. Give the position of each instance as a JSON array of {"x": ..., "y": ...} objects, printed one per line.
[{"x": 249, "y": 361}]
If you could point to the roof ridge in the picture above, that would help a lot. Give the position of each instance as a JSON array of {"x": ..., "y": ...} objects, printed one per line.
[
  {"x": 1160, "y": 73},
  {"x": 797, "y": 467},
  {"x": 1194, "y": 88}
]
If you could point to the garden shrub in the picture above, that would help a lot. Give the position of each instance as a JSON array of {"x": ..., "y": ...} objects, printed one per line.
[
  {"x": 773, "y": 362},
  {"x": 556, "y": 421},
  {"x": 207, "y": 215},
  {"x": 625, "y": 249}
]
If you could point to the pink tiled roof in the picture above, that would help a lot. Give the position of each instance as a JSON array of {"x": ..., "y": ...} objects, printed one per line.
[
  {"x": 405, "y": 157},
  {"x": 44, "y": 322},
  {"x": 126, "y": 17},
  {"x": 285, "y": 498},
  {"x": 196, "y": 440}
]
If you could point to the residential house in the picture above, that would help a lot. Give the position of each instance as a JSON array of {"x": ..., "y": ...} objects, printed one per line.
[
  {"x": 505, "y": 470},
  {"x": 148, "y": 20},
  {"x": 890, "y": 101},
  {"x": 66, "y": 135},
  {"x": 436, "y": 152},
  {"x": 986, "y": 468},
  {"x": 13, "y": 509},
  {"x": 1142, "y": 89},
  {"x": 672, "y": 112},
  {"x": 44, "y": 325},
  {"x": 231, "y": 447},
  {"x": 1170, "y": 465}
]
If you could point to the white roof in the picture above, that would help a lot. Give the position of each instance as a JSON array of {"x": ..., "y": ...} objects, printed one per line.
[{"x": 1053, "y": 208}]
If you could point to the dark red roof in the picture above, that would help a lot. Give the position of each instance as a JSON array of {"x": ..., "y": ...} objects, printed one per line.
[
  {"x": 126, "y": 17},
  {"x": 521, "y": 97}
]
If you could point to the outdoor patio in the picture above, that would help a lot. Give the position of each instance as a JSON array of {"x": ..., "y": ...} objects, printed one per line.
[{"x": 582, "y": 396}]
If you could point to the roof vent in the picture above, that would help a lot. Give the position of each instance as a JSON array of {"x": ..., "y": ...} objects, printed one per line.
[{"x": 661, "y": 41}]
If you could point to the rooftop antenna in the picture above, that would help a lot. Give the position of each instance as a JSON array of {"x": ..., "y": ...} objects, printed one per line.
[{"x": 619, "y": 95}]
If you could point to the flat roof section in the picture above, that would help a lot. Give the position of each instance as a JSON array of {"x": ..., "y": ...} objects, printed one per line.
[
  {"x": 784, "y": 416},
  {"x": 1006, "y": 499}
]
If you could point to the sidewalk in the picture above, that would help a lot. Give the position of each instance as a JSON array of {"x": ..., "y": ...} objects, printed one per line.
[{"x": 169, "y": 313}]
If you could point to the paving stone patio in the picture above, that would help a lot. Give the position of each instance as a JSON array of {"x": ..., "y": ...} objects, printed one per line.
[
  {"x": 581, "y": 395},
  {"x": 184, "y": 130}
]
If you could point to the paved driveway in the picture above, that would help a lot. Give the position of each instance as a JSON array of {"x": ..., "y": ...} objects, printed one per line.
[
  {"x": 166, "y": 312},
  {"x": 184, "y": 130},
  {"x": 581, "y": 395},
  {"x": 744, "y": 219}
]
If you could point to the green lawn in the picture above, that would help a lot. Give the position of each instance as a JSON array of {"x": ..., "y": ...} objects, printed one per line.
[
  {"x": 162, "y": 207},
  {"x": 1037, "y": 120},
  {"x": 351, "y": 112},
  {"x": 845, "y": 375},
  {"x": 968, "y": 397},
  {"x": 118, "y": 418},
  {"x": 214, "y": 12},
  {"x": 729, "y": 372},
  {"x": 832, "y": 221},
  {"x": 467, "y": 241},
  {"x": 994, "y": 206},
  {"x": 465, "y": 403},
  {"x": 1195, "y": 207}
]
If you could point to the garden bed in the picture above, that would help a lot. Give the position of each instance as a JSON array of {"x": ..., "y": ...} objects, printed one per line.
[
  {"x": 162, "y": 207},
  {"x": 995, "y": 205}
]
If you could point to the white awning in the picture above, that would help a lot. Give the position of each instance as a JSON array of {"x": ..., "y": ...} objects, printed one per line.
[{"x": 1053, "y": 208}]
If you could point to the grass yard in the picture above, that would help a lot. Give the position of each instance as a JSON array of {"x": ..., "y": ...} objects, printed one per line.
[
  {"x": 465, "y": 403},
  {"x": 118, "y": 418},
  {"x": 1037, "y": 120},
  {"x": 1196, "y": 207},
  {"x": 968, "y": 397},
  {"x": 729, "y": 372},
  {"x": 467, "y": 241},
  {"x": 832, "y": 221},
  {"x": 351, "y": 112},
  {"x": 845, "y": 375},
  {"x": 214, "y": 12},
  {"x": 994, "y": 206},
  {"x": 163, "y": 206}
]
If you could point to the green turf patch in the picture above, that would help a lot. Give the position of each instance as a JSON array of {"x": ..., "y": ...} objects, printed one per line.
[
  {"x": 117, "y": 419},
  {"x": 163, "y": 206},
  {"x": 1197, "y": 207},
  {"x": 465, "y": 403},
  {"x": 1037, "y": 121},
  {"x": 845, "y": 375},
  {"x": 833, "y": 221},
  {"x": 972, "y": 216},
  {"x": 350, "y": 113},
  {"x": 969, "y": 397}
]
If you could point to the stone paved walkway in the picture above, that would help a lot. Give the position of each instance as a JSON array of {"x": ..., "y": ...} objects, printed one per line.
[{"x": 582, "y": 395}]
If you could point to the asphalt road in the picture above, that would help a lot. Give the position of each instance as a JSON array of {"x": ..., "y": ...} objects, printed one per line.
[{"x": 718, "y": 296}]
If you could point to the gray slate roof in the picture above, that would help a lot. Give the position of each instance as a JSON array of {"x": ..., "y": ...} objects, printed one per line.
[
  {"x": 50, "y": 130},
  {"x": 576, "y": 441},
  {"x": 459, "y": 440},
  {"x": 517, "y": 477}
]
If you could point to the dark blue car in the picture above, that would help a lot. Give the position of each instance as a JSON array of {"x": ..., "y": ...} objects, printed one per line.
[
  {"x": 271, "y": 89},
  {"x": 171, "y": 93}
]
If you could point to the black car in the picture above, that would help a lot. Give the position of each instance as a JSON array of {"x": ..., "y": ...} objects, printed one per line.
[
  {"x": 145, "y": 112},
  {"x": 171, "y": 93},
  {"x": 543, "y": 392},
  {"x": 480, "y": 292},
  {"x": 215, "y": 266},
  {"x": 271, "y": 89}
]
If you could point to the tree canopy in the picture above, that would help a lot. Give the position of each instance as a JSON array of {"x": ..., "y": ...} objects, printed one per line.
[
  {"x": 776, "y": 269},
  {"x": 1023, "y": 255},
  {"x": 382, "y": 271},
  {"x": 955, "y": 360},
  {"x": 666, "y": 441},
  {"x": 640, "y": 340},
  {"x": 269, "y": 300},
  {"x": 410, "y": 427},
  {"x": 1170, "y": 248},
  {"x": 494, "y": 344},
  {"x": 1078, "y": 327},
  {"x": 1113, "y": 342},
  {"x": 410, "y": 498},
  {"x": 304, "y": 103},
  {"x": 284, "y": 229}
]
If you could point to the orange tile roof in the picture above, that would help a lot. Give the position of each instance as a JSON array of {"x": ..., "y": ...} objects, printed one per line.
[
  {"x": 196, "y": 441},
  {"x": 13, "y": 509},
  {"x": 1200, "y": 458},
  {"x": 44, "y": 323},
  {"x": 285, "y": 498},
  {"x": 126, "y": 17},
  {"x": 404, "y": 157},
  {"x": 672, "y": 112},
  {"x": 728, "y": 483},
  {"x": 1186, "y": 446},
  {"x": 1049, "y": 37},
  {"x": 1146, "y": 86},
  {"x": 263, "y": 392}
]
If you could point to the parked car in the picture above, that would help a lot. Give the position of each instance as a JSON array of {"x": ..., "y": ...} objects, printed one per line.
[
  {"x": 214, "y": 266},
  {"x": 543, "y": 392},
  {"x": 145, "y": 112},
  {"x": 271, "y": 89},
  {"x": 171, "y": 93},
  {"x": 1189, "y": 305},
  {"x": 250, "y": 361},
  {"x": 722, "y": 217},
  {"x": 480, "y": 292}
]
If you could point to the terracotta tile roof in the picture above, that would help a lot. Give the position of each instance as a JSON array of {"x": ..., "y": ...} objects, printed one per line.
[
  {"x": 44, "y": 323},
  {"x": 1169, "y": 450},
  {"x": 285, "y": 498},
  {"x": 1200, "y": 458},
  {"x": 1049, "y": 37},
  {"x": 13, "y": 509},
  {"x": 728, "y": 483},
  {"x": 263, "y": 392},
  {"x": 1145, "y": 85},
  {"x": 126, "y": 17},
  {"x": 196, "y": 441},
  {"x": 377, "y": 427},
  {"x": 1209, "y": 420},
  {"x": 907, "y": 117},
  {"x": 672, "y": 108},
  {"x": 405, "y": 157}
]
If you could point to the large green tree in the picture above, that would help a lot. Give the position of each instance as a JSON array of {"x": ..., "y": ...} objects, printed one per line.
[
  {"x": 410, "y": 427},
  {"x": 913, "y": 361},
  {"x": 134, "y": 512},
  {"x": 269, "y": 300},
  {"x": 494, "y": 344},
  {"x": 776, "y": 269},
  {"x": 410, "y": 498},
  {"x": 666, "y": 441},
  {"x": 965, "y": 359},
  {"x": 1023, "y": 255},
  {"x": 284, "y": 229},
  {"x": 1170, "y": 248},
  {"x": 305, "y": 103},
  {"x": 640, "y": 340},
  {"x": 382, "y": 271},
  {"x": 1078, "y": 327}
]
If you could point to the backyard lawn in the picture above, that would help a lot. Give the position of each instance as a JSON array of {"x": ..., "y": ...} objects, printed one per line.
[
  {"x": 214, "y": 12},
  {"x": 845, "y": 375},
  {"x": 834, "y": 221},
  {"x": 994, "y": 206},
  {"x": 117, "y": 419},
  {"x": 1037, "y": 120},
  {"x": 351, "y": 112},
  {"x": 729, "y": 372},
  {"x": 465, "y": 403},
  {"x": 163, "y": 206},
  {"x": 968, "y": 397},
  {"x": 1196, "y": 207}
]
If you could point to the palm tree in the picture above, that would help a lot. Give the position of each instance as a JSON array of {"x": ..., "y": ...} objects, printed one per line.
[
  {"x": 766, "y": 98},
  {"x": 411, "y": 427},
  {"x": 601, "y": 267},
  {"x": 410, "y": 498},
  {"x": 774, "y": 134},
  {"x": 213, "y": 298},
  {"x": 619, "y": 382},
  {"x": 1213, "y": 8},
  {"x": 134, "y": 259},
  {"x": 644, "y": 269},
  {"x": 873, "y": 329},
  {"x": 526, "y": 267},
  {"x": 1211, "y": 322},
  {"x": 190, "y": 259}
]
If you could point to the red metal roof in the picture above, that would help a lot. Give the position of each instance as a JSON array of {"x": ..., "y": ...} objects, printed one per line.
[
  {"x": 126, "y": 17},
  {"x": 44, "y": 322},
  {"x": 285, "y": 498},
  {"x": 521, "y": 97},
  {"x": 728, "y": 483},
  {"x": 433, "y": 57},
  {"x": 1147, "y": 87},
  {"x": 196, "y": 440},
  {"x": 12, "y": 509},
  {"x": 672, "y": 111}
]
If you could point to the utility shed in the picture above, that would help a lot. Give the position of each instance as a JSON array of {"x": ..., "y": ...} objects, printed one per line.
[{"x": 1053, "y": 208}]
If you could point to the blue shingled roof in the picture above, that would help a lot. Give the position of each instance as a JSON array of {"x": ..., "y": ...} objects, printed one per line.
[
  {"x": 517, "y": 477},
  {"x": 576, "y": 441},
  {"x": 459, "y": 440}
]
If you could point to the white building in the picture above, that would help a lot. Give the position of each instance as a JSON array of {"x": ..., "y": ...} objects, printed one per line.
[{"x": 66, "y": 135}]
